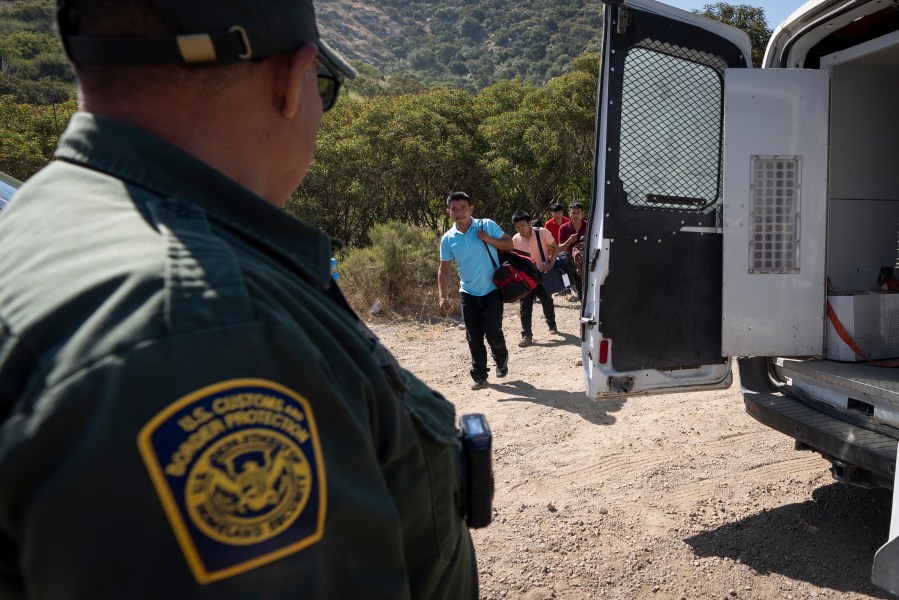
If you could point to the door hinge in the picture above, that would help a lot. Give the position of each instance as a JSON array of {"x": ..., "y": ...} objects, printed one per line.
[
  {"x": 624, "y": 19},
  {"x": 593, "y": 258}
]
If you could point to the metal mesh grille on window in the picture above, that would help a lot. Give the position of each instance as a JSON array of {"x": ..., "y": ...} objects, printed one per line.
[
  {"x": 774, "y": 215},
  {"x": 671, "y": 127}
]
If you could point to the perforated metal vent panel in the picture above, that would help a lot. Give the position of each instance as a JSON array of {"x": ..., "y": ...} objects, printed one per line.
[
  {"x": 889, "y": 327},
  {"x": 774, "y": 215}
]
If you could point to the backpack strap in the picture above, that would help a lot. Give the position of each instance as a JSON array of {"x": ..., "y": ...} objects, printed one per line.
[
  {"x": 540, "y": 244},
  {"x": 495, "y": 266},
  {"x": 490, "y": 254}
]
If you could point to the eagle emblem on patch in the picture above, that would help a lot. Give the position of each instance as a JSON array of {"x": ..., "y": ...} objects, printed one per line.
[{"x": 238, "y": 468}]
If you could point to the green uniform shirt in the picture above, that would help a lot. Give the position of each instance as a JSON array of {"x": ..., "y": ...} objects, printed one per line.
[{"x": 188, "y": 410}]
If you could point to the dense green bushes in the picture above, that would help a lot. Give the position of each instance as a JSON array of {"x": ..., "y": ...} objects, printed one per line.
[
  {"x": 29, "y": 134},
  {"x": 33, "y": 69},
  {"x": 397, "y": 272},
  {"x": 514, "y": 145}
]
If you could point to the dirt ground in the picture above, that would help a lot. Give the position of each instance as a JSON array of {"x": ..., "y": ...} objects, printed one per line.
[{"x": 671, "y": 496}]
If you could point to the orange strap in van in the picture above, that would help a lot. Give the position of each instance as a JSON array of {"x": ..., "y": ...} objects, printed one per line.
[{"x": 844, "y": 335}]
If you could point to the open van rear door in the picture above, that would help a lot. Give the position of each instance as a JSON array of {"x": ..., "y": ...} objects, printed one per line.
[{"x": 652, "y": 309}]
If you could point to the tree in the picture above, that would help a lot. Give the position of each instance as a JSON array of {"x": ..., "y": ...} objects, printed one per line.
[
  {"x": 398, "y": 84},
  {"x": 746, "y": 18},
  {"x": 541, "y": 139},
  {"x": 470, "y": 27},
  {"x": 332, "y": 197},
  {"x": 28, "y": 44},
  {"x": 368, "y": 81},
  {"x": 29, "y": 134},
  {"x": 391, "y": 158}
]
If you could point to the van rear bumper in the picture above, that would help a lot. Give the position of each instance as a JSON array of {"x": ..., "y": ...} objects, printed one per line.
[
  {"x": 862, "y": 451},
  {"x": 859, "y": 456}
]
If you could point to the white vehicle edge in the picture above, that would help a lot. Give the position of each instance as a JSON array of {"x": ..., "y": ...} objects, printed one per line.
[{"x": 753, "y": 213}]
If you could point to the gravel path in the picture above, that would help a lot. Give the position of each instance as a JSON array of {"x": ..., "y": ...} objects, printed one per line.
[{"x": 673, "y": 496}]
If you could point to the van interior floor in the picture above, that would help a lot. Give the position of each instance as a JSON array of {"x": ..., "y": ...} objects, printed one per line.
[{"x": 860, "y": 379}]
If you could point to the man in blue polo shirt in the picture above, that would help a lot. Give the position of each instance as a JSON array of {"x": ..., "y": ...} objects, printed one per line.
[{"x": 472, "y": 243}]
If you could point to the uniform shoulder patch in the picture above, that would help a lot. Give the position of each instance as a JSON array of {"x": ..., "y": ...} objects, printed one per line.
[{"x": 238, "y": 467}]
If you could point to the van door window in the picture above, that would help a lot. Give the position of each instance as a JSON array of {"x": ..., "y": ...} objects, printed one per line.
[{"x": 670, "y": 95}]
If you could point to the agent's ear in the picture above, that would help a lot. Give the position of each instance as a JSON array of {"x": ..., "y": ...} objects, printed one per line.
[{"x": 301, "y": 72}]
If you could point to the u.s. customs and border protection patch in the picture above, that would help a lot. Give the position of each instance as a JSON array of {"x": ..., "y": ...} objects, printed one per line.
[{"x": 238, "y": 467}]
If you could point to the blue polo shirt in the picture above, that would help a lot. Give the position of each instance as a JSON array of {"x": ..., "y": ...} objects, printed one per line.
[{"x": 470, "y": 254}]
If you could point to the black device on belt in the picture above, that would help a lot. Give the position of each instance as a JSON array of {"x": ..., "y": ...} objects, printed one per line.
[{"x": 477, "y": 469}]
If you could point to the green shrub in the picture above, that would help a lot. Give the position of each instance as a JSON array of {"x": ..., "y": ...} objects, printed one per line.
[
  {"x": 397, "y": 272},
  {"x": 29, "y": 134},
  {"x": 28, "y": 44}
]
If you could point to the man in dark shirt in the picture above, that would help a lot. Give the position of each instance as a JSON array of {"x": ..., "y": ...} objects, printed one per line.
[
  {"x": 572, "y": 235},
  {"x": 188, "y": 408}
]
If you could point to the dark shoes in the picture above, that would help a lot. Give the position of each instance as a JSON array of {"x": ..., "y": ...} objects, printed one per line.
[
  {"x": 480, "y": 381},
  {"x": 554, "y": 331},
  {"x": 479, "y": 377},
  {"x": 502, "y": 370},
  {"x": 525, "y": 341}
]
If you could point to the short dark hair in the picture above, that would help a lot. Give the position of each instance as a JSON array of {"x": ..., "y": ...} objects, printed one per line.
[
  {"x": 577, "y": 205},
  {"x": 556, "y": 207},
  {"x": 458, "y": 196},
  {"x": 520, "y": 216}
]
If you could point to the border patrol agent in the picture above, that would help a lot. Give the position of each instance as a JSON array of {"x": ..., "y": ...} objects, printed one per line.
[{"x": 188, "y": 408}]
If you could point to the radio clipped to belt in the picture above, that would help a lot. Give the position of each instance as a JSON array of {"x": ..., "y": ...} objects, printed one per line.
[{"x": 477, "y": 469}]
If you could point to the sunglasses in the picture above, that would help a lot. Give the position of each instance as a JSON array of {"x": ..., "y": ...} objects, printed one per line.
[{"x": 329, "y": 81}]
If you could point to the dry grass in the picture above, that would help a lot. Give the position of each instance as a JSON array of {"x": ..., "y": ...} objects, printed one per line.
[{"x": 397, "y": 274}]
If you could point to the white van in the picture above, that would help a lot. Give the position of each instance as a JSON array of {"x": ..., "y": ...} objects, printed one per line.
[
  {"x": 753, "y": 213},
  {"x": 8, "y": 187}
]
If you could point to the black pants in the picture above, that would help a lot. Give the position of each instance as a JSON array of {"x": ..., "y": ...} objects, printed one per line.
[
  {"x": 483, "y": 316},
  {"x": 576, "y": 283},
  {"x": 527, "y": 309}
]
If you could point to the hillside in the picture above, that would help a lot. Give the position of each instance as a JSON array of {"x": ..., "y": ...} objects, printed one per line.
[
  {"x": 461, "y": 42},
  {"x": 32, "y": 67}
]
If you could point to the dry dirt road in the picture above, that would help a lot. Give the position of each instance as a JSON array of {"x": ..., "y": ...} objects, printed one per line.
[{"x": 669, "y": 496}]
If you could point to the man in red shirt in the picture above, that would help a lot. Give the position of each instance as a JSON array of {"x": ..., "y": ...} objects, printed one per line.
[
  {"x": 571, "y": 237},
  {"x": 555, "y": 223},
  {"x": 573, "y": 231}
]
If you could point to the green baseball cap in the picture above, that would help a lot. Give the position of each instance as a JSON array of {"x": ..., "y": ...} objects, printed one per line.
[{"x": 209, "y": 32}]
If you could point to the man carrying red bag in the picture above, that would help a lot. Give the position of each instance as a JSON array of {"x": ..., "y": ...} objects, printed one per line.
[
  {"x": 542, "y": 247},
  {"x": 472, "y": 243}
]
